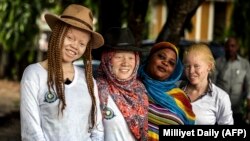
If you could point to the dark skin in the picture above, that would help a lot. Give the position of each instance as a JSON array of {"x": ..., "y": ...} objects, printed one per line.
[
  {"x": 161, "y": 64},
  {"x": 231, "y": 48}
]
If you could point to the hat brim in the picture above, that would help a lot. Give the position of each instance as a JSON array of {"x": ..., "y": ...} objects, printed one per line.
[
  {"x": 96, "y": 38},
  {"x": 126, "y": 48}
]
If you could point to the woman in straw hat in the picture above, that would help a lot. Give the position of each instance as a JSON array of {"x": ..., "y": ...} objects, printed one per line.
[
  {"x": 59, "y": 101},
  {"x": 168, "y": 104},
  {"x": 123, "y": 97}
]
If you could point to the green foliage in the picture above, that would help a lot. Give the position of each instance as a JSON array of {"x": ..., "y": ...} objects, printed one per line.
[
  {"x": 20, "y": 31},
  {"x": 18, "y": 24},
  {"x": 240, "y": 23}
]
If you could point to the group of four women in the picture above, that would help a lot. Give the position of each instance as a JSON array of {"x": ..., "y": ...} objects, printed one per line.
[{"x": 128, "y": 99}]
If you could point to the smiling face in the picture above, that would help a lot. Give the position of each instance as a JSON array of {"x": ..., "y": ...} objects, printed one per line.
[
  {"x": 123, "y": 64},
  {"x": 74, "y": 45},
  {"x": 161, "y": 64},
  {"x": 197, "y": 67}
]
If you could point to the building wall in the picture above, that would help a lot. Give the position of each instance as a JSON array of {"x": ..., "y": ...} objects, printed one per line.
[
  {"x": 210, "y": 22},
  {"x": 157, "y": 18},
  {"x": 202, "y": 29}
]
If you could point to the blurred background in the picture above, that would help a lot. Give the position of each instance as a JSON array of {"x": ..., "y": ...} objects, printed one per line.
[{"x": 24, "y": 34}]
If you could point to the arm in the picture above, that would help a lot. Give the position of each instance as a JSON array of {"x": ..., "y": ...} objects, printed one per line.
[
  {"x": 247, "y": 86},
  {"x": 97, "y": 133},
  {"x": 248, "y": 111},
  {"x": 29, "y": 111},
  {"x": 225, "y": 114}
]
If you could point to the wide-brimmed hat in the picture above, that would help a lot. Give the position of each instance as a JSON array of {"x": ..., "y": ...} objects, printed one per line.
[
  {"x": 80, "y": 17},
  {"x": 120, "y": 39}
]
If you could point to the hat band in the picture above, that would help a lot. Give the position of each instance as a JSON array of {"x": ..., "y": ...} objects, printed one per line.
[
  {"x": 125, "y": 44},
  {"x": 76, "y": 19}
]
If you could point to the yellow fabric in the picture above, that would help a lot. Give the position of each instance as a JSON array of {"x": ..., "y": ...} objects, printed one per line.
[
  {"x": 152, "y": 136},
  {"x": 179, "y": 102}
]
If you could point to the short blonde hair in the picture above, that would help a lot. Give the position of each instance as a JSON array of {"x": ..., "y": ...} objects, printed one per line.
[{"x": 203, "y": 49}]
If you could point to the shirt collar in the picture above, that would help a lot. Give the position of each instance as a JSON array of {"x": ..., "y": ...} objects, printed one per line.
[
  {"x": 210, "y": 87},
  {"x": 209, "y": 90}
]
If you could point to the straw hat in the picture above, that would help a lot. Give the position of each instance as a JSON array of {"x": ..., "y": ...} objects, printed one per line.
[{"x": 80, "y": 17}]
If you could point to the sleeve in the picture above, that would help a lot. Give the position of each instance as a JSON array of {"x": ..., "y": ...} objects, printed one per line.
[
  {"x": 225, "y": 114},
  {"x": 29, "y": 110},
  {"x": 97, "y": 134},
  {"x": 247, "y": 85},
  {"x": 247, "y": 80}
]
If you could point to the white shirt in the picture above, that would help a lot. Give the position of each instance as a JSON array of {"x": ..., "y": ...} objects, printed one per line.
[
  {"x": 234, "y": 78},
  {"x": 40, "y": 120},
  {"x": 213, "y": 107},
  {"x": 116, "y": 128}
]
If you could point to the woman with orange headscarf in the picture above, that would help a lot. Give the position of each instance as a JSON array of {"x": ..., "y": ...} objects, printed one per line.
[{"x": 168, "y": 104}]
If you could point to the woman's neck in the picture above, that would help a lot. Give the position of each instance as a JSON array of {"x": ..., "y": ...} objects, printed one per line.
[
  {"x": 196, "y": 91},
  {"x": 68, "y": 71}
]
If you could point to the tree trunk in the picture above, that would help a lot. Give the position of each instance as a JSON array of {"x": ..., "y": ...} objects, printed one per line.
[
  {"x": 3, "y": 62},
  {"x": 136, "y": 18},
  {"x": 176, "y": 17},
  {"x": 110, "y": 15}
]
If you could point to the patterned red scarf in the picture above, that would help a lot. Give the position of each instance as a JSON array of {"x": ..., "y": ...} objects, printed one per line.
[{"x": 129, "y": 95}]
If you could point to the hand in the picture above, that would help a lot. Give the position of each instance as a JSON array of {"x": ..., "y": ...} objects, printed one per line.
[{"x": 247, "y": 118}]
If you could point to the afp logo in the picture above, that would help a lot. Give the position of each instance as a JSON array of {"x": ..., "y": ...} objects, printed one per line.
[{"x": 234, "y": 133}]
